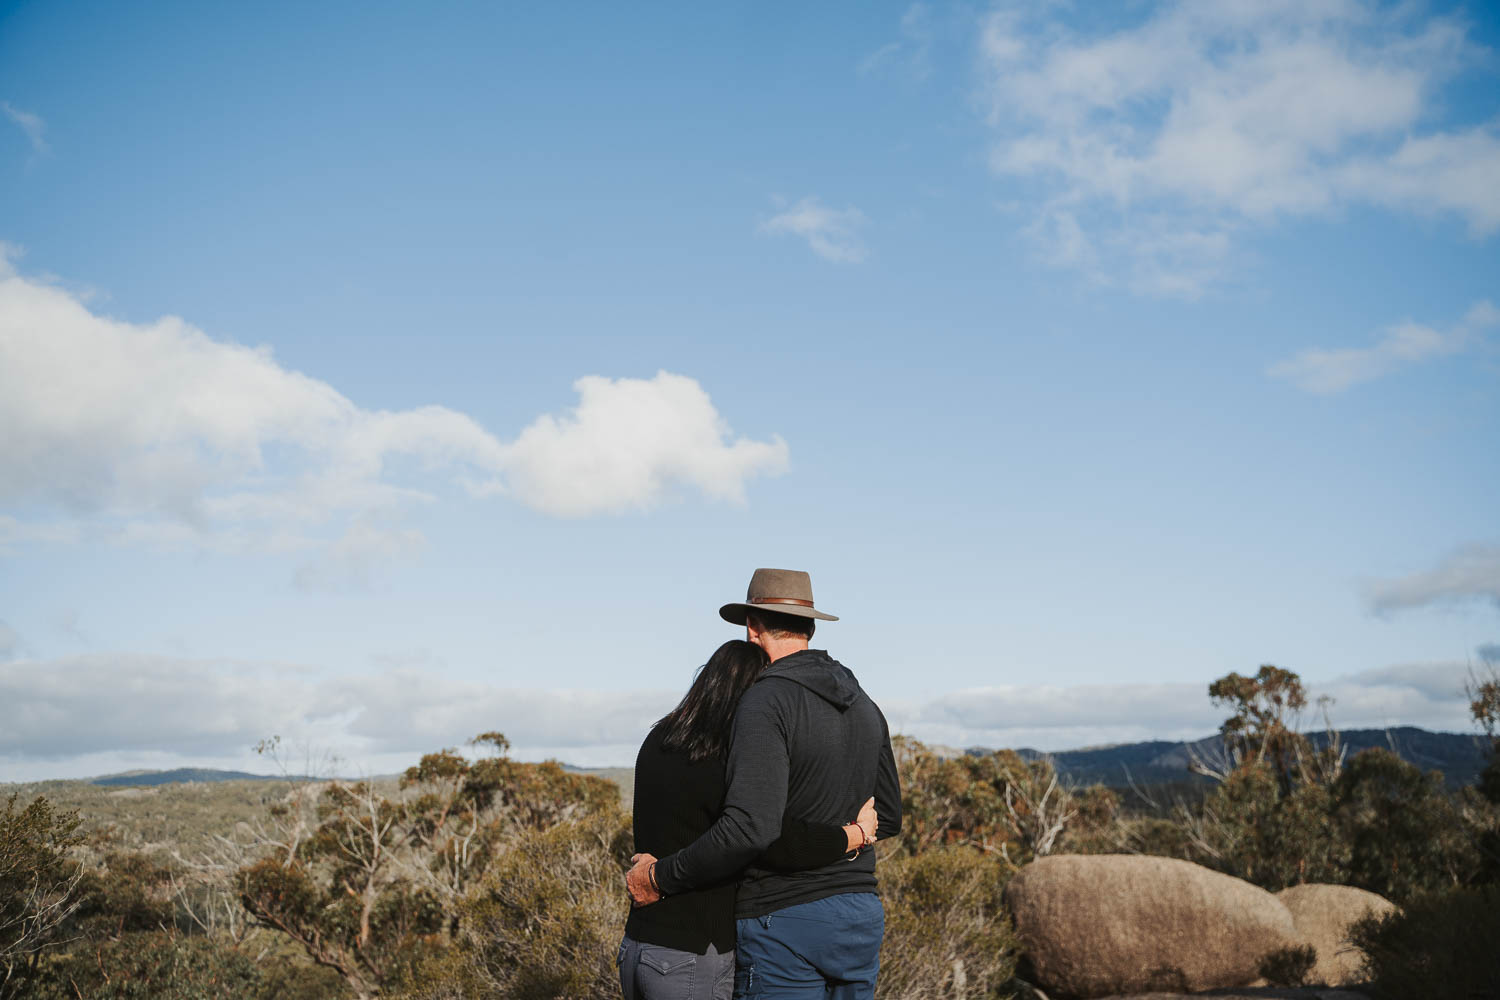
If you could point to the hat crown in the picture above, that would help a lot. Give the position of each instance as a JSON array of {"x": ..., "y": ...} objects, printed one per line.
[{"x": 767, "y": 585}]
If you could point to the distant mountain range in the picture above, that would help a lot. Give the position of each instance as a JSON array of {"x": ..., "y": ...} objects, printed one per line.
[
  {"x": 185, "y": 774},
  {"x": 182, "y": 774},
  {"x": 1460, "y": 756}
]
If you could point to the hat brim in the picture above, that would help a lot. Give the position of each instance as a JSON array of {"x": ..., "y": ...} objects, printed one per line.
[{"x": 735, "y": 613}]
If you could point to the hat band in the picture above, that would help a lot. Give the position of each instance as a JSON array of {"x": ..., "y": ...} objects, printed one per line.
[{"x": 779, "y": 600}]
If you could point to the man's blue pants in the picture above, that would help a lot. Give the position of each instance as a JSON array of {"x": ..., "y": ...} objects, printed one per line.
[{"x": 828, "y": 949}]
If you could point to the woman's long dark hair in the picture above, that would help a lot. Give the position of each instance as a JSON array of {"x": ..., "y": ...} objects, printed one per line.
[{"x": 699, "y": 725}]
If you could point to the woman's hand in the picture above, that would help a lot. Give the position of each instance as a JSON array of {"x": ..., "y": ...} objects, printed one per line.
[
  {"x": 861, "y": 832},
  {"x": 868, "y": 820},
  {"x": 640, "y": 881}
]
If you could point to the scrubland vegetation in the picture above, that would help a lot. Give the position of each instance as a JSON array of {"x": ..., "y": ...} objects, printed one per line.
[{"x": 484, "y": 877}]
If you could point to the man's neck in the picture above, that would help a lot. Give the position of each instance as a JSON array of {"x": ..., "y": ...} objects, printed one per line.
[{"x": 777, "y": 648}]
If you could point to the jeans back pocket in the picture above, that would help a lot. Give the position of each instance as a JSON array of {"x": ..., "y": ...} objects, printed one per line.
[{"x": 666, "y": 961}]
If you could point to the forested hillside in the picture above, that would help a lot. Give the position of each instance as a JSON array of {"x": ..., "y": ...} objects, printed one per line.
[{"x": 1459, "y": 756}]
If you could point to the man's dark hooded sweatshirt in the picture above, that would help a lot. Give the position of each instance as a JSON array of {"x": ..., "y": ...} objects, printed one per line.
[{"x": 807, "y": 741}]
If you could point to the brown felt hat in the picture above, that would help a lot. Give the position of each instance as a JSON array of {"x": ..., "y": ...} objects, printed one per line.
[{"x": 784, "y": 591}]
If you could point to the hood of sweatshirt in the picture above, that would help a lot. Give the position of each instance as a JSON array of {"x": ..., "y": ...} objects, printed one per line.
[{"x": 820, "y": 673}]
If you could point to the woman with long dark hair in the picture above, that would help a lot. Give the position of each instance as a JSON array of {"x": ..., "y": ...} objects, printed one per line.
[{"x": 682, "y": 948}]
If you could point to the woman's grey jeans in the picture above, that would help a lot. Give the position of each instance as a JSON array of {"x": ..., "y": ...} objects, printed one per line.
[{"x": 651, "y": 972}]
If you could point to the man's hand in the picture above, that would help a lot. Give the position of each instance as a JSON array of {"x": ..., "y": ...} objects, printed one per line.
[{"x": 638, "y": 880}]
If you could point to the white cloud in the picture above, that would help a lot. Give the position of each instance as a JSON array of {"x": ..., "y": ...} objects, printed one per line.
[
  {"x": 158, "y": 433},
  {"x": 1053, "y": 718},
  {"x": 14, "y": 532},
  {"x": 121, "y": 702},
  {"x": 1470, "y": 574},
  {"x": 128, "y": 708},
  {"x": 1418, "y": 684},
  {"x": 56, "y": 716},
  {"x": 878, "y": 58},
  {"x": 1218, "y": 116},
  {"x": 1057, "y": 717},
  {"x": 10, "y": 641},
  {"x": 404, "y": 710},
  {"x": 913, "y": 50},
  {"x": 1448, "y": 172},
  {"x": 29, "y": 123},
  {"x": 833, "y": 234},
  {"x": 351, "y": 561},
  {"x": 1159, "y": 254},
  {"x": 1329, "y": 371},
  {"x": 628, "y": 442},
  {"x": 104, "y": 416}
]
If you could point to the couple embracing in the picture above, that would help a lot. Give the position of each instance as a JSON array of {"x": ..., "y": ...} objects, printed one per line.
[{"x": 758, "y": 800}]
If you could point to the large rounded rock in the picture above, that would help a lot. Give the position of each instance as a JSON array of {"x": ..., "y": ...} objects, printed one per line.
[
  {"x": 1323, "y": 915},
  {"x": 1095, "y": 925}
]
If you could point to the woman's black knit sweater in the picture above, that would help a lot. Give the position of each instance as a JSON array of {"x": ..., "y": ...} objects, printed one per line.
[{"x": 676, "y": 800}]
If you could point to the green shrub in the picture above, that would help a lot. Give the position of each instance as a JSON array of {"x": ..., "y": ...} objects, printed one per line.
[
  {"x": 1096, "y": 824},
  {"x": 1489, "y": 778},
  {"x": 1000, "y": 803},
  {"x": 546, "y": 922},
  {"x": 1155, "y": 835},
  {"x": 1381, "y": 824},
  {"x": 1404, "y": 834},
  {"x": 1286, "y": 812},
  {"x": 170, "y": 965},
  {"x": 1255, "y": 831},
  {"x": 38, "y": 886},
  {"x": 1289, "y": 966},
  {"x": 373, "y": 885},
  {"x": 946, "y": 931},
  {"x": 129, "y": 891},
  {"x": 288, "y": 980},
  {"x": 1441, "y": 945},
  {"x": 1484, "y": 802},
  {"x": 155, "y": 965}
]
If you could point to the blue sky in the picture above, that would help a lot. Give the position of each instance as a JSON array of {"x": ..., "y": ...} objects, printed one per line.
[{"x": 377, "y": 375}]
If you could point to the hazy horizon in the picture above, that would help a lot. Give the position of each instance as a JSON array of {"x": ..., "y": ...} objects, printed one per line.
[
  {"x": 1059, "y": 719},
  {"x": 216, "y": 764}
]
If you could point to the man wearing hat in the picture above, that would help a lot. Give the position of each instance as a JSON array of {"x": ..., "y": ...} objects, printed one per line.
[{"x": 807, "y": 741}]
